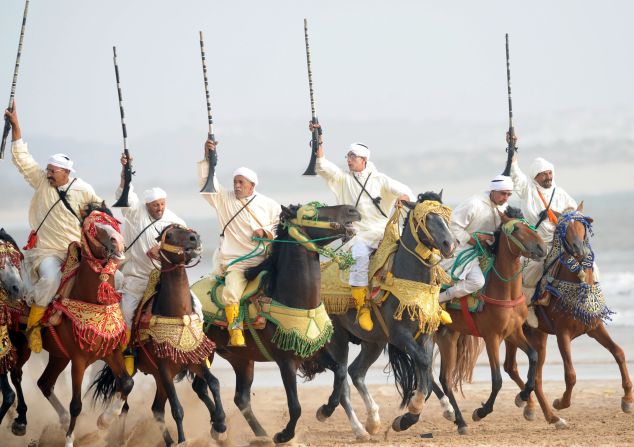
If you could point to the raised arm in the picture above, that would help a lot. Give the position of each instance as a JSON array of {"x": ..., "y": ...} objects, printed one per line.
[
  {"x": 22, "y": 159},
  {"x": 203, "y": 172}
]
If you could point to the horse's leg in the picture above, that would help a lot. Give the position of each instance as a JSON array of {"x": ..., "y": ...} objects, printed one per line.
[
  {"x": 369, "y": 354},
  {"x": 447, "y": 409},
  {"x": 167, "y": 379},
  {"x": 446, "y": 341},
  {"x": 8, "y": 396},
  {"x": 510, "y": 366},
  {"x": 158, "y": 410},
  {"x": 78, "y": 366},
  {"x": 518, "y": 339},
  {"x": 124, "y": 385},
  {"x": 46, "y": 384},
  {"x": 601, "y": 335},
  {"x": 288, "y": 370},
  {"x": 242, "y": 397},
  {"x": 357, "y": 427},
  {"x": 493, "y": 350},
  {"x": 570, "y": 376},
  {"x": 205, "y": 379},
  {"x": 337, "y": 350},
  {"x": 18, "y": 427}
]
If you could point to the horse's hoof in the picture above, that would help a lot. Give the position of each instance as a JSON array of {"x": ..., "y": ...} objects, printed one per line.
[
  {"x": 321, "y": 415},
  {"x": 18, "y": 428},
  {"x": 104, "y": 421},
  {"x": 364, "y": 436},
  {"x": 463, "y": 430},
  {"x": 475, "y": 416},
  {"x": 449, "y": 415},
  {"x": 396, "y": 424},
  {"x": 281, "y": 438},
  {"x": 69, "y": 441},
  {"x": 627, "y": 407},
  {"x": 373, "y": 426},
  {"x": 561, "y": 424},
  {"x": 217, "y": 436},
  {"x": 519, "y": 402},
  {"x": 529, "y": 414}
]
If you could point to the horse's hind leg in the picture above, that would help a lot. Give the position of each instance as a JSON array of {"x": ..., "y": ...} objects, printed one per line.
[
  {"x": 203, "y": 380},
  {"x": 8, "y": 396},
  {"x": 570, "y": 376},
  {"x": 357, "y": 428},
  {"x": 601, "y": 335},
  {"x": 518, "y": 339},
  {"x": 370, "y": 352},
  {"x": 493, "y": 350},
  {"x": 242, "y": 396},
  {"x": 446, "y": 341},
  {"x": 510, "y": 366},
  {"x": 337, "y": 351},
  {"x": 158, "y": 410},
  {"x": 46, "y": 384},
  {"x": 447, "y": 409}
]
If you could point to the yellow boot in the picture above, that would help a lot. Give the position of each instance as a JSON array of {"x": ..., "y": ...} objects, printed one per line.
[
  {"x": 33, "y": 327},
  {"x": 128, "y": 354},
  {"x": 237, "y": 338},
  {"x": 365, "y": 318},
  {"x": 445, "y": 318}
]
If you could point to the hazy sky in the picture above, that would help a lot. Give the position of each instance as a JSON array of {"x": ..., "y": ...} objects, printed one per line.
[{"x": 406, "y": 77}]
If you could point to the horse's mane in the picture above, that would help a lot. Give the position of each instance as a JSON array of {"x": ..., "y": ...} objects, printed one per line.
[
  {"x": 513, "y": 213},
  {"x": 4, "y": 236},
  {"x": 96, "y": 206},
  {"x": 270, "y": 262},
  {"x": 428, "y": 195}
]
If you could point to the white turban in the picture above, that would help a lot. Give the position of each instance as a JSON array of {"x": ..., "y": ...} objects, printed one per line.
[
  {"x": 247, "y": 173},
  {"x": 152, "y": 194},
  {"x": 360, "y": 150},
  {"x": 501, "y": 183},
  {"x": 61, "y": 161},
  {"x": 540, "y": 165}
]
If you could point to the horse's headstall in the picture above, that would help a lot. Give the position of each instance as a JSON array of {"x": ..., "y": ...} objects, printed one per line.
[
  {"x": 171, "y": 248},
  {"x": 7, "y": 250},
  {"x": 308, "y": 216}
]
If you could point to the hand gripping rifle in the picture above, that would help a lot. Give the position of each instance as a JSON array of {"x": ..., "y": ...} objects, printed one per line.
[
  {"x": 314, "y": 141},
  {"x": 7, "y": 124},
  {"x": 127, "y": 169},
  {"x": 511, "y": 148},
  {"x": 212, "y": 157}
]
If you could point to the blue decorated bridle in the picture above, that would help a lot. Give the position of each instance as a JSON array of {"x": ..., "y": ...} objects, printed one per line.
[{"x": 570, "y": 262}]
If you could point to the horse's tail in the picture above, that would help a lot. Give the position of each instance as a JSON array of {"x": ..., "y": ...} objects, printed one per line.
[
  {"x": 316, "y": 364},
  {"x": 104, "y": 386},
  {"x": 468, "y": 351},
  {"x": 404, "y": 368}
]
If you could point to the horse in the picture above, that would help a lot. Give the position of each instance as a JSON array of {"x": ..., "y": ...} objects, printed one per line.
[
  {"x": 85, "y": 323},
  {"x": 14, "y": 348},
  {"x": 158, "y": 338},
  {"x": 501, "y": 318},
  {"x": 291, "y": 283},
  {"x": 425, "y": 239},
  {"x": 576, "y": 307}
]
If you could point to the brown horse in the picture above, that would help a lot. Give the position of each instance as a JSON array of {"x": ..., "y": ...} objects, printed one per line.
[
  {"x": 501, "y": 318},
  {"x": 159, "y": 334},
  {"x": 91, "y": 325},
  {"x": 568, "y": 318}
]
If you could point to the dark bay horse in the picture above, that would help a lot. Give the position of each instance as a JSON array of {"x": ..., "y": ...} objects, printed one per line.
[
  {"x": 502, "y": 316},
  {"x": 80, "y": 337},
  {"x": 579, "y": 309},
  {"x": 157, "y": 337},
  {"x": 293, "y": 279},
  {"x": 410, "y": 349}
]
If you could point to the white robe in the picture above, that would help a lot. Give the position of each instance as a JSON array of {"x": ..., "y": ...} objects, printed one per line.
[
  {"x": 371, "y": 227},
  {"x": 262, "y": 213}
]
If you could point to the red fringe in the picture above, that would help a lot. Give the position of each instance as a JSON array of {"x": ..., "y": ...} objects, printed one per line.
[
  {"x": 197, "y": 356},
  {"x": 31, "y": 242},
  {"x": 106, "y": 294}
]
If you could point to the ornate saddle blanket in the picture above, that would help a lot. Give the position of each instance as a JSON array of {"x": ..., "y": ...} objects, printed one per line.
[
  {"x": 303, "y": 331},
  {"x": 8, "y": 356}
]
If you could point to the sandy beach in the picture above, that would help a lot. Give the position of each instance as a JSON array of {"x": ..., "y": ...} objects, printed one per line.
[{"x": 595, "y": 419}]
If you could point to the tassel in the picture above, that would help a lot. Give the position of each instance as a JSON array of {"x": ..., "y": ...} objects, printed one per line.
[
  {"x": 106, "y": 294},
  {"x": 31, "y": 241}
]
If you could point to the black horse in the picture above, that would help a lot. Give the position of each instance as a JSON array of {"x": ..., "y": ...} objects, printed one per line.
[
  {"x": 410, "y": 356},
  {"x": 293, "y": 280}
]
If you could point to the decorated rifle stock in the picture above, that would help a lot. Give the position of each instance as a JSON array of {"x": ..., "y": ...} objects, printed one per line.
[
  {"x": 127, "y": 169},
  {"x": 16, "y": 69},
  {"x": 511, "y": 148},
  {"x": 212, "y": 157},
  {"x": 314, "y": 141}
]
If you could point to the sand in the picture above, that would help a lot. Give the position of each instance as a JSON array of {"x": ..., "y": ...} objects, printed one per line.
[{"x": 595, "y": 419}]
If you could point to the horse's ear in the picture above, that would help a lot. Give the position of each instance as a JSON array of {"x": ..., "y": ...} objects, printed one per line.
[
  {"x": 589, "y": 219},
  {"x": 286, "y": 212},
  {"x": 408, "y": 204},
  {"x": 580, "y": 207}
]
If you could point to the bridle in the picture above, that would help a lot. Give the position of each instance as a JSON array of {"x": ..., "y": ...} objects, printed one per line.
[
  {"x": 428, "y": 256},
  {"x": 165, "y": 247}
]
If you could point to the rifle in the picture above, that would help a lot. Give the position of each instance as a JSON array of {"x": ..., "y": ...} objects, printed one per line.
[
  {"x": 7, "y": 124},
  {"x": 212, "y": 157},
  {"x": 127, "y": 169},
  {"x": 511, "y": 148},
  {"x": 314, "y": 141}
]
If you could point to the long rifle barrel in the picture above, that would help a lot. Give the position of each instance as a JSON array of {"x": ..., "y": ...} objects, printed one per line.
[
  {"x": 314, "y": 142},
  {"x": 122, "y": 202},
  {"x": 212, "y": 158},
  {"x": 7, "y": 124},
  {"x": 511, "y": 148}
]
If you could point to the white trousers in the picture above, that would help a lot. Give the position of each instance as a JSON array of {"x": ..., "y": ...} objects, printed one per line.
[
  {"x": 471, "y": 280},
  {"x": 133, "y": 290},
  {"x": 49, "y": 276},
  {"x": 359, "y": 271}
]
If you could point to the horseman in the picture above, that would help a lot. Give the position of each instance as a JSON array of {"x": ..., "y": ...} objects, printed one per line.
[
  {"x": 373, "y": 194},
  {"x": 144, "y": 222},
  {"x": 478, "y": 217},
  {"x": 244, "y": 216},
  {"x": 54, "y": 217},
  {"x": 540, "y": 197}
]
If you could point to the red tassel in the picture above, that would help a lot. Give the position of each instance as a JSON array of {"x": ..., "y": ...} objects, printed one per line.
[
  {"x": 106, "y": 294},
  {"x": 31, "y": 241}
]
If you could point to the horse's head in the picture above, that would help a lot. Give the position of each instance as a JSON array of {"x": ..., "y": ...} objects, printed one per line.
[
  {"x": 179, "y": 245},
  {"x": 522, "y": 235},
  {"x": 428, "y": 222},
  {"x": 320, "y": 223},
  {"x": 101, "y": 232},
  {"x": 573, "y": 229},
  {"x": 10, "y": 263}
]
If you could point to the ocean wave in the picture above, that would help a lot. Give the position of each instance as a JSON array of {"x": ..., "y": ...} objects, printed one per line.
[{"x": 618, "y": 288}]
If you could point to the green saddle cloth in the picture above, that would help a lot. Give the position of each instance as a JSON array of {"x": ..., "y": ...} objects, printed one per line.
[{"x": 474, "y": 304}]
